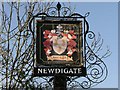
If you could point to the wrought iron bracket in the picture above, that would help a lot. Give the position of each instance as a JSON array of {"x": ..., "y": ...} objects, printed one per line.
[{"x": 96, "y": 68}]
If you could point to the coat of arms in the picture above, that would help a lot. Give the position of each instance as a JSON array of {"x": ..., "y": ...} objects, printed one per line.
[{"x": 59, "y": 44}]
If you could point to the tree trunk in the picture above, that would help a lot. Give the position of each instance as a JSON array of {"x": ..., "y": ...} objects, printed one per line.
[{"x": 60, "y": 82}]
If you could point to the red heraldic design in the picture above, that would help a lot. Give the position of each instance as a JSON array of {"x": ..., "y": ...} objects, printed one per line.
[{"x": 59, "y": 43}]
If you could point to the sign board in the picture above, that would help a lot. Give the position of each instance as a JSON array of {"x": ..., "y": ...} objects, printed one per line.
[
  {"x": 51, "y": 71},
  {"x": 59, "y": 48}
]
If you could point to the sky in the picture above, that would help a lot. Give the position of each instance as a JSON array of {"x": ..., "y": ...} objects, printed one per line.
[
  {"x": 61, "y": 0},
  {"x": 103, "y": 19}
]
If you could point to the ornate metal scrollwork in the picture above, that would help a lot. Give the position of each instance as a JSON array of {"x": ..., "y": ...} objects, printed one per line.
[
  {"x": 59, "y": 11},
  {"x": 96, "y": 68}
]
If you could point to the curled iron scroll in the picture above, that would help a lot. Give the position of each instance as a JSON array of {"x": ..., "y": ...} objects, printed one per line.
[{"x": 96, "y": 69}]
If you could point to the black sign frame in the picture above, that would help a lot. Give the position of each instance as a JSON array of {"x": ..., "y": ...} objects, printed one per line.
[{"x": 61, "y": 64}]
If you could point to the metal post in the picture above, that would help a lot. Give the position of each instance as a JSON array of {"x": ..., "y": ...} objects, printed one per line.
[{"x": 60, "y": 82}]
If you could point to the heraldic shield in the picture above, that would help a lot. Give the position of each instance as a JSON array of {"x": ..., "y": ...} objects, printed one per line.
[{"x": 59, "y": 44}]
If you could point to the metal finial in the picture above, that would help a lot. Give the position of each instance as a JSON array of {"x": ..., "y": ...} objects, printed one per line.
[{"x": 58, "y": 7}]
